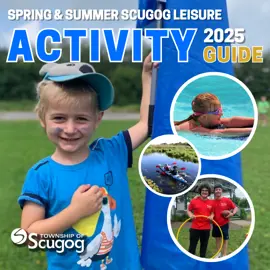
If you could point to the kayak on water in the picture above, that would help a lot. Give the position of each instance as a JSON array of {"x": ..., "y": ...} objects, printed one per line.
[{"x": 173, "y": 172}]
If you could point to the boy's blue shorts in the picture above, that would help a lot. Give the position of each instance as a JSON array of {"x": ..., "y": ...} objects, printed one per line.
[{"x": 225, "y": 231}]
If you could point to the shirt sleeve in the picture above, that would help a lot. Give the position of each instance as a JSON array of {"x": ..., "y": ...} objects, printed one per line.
[
  {"x": 121, "y": 148},
  {"x": 190, "y": 206},
  {"x": 34, "y": 189}
]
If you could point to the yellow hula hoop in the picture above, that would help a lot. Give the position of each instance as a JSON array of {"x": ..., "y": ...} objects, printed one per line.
[{"x": 222, "y": 237}]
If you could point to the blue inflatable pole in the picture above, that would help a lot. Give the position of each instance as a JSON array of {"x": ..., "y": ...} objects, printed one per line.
[{"x": 158, "y": 249}]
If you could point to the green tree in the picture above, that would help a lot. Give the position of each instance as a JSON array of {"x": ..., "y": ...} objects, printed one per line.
[
  {"x": 243, "y": 214},
  {"x": 236, "y": 200},
  {"x": 244, "y": 203},
  {"x": 255, "y": 76},
  {"x": 127, "y": 82}
]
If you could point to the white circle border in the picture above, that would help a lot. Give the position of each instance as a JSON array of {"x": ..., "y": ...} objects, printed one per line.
[
  {"x": 228, "y": 76},
  {"x": 251, "y": 229},
  {"x": 169, "y": 195}
]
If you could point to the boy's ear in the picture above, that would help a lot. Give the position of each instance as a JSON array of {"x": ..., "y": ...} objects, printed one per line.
[
  {"x": 42, "y": 123},
  {"x": 99, "y": 118}
]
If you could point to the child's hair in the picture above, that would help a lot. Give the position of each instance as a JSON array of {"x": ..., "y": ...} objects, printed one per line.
[
  {"x": 71, "y": 93},
  {"x": 206, "y": 186},
  {"x": 202, "y": 103}
]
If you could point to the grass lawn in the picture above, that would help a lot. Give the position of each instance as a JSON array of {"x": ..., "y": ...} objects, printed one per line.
[
  {"x": 181, "y": 151},
  {"x": 256, "y": 174},
  {"x": 23, "y": 143}
]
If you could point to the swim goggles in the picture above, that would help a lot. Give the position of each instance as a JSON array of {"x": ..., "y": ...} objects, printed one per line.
[{"x": 216, "y": 112}]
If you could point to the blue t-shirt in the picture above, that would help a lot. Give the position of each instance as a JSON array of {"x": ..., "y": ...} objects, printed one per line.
[{"x": 110, "y": 237}]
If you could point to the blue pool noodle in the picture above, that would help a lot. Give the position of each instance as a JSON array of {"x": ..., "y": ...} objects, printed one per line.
[{"x": 158, "y": 249}]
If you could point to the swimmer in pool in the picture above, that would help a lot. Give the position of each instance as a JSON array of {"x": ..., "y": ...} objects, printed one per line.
[{"x": 206, "y": 119}]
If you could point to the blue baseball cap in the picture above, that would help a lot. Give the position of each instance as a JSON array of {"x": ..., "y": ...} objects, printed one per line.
[{"x": 70, "y": 71}]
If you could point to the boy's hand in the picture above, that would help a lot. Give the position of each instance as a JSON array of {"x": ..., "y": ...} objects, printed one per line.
[
  {"x": 86, "y": 200},
  {"x": 148, "y": 66}
]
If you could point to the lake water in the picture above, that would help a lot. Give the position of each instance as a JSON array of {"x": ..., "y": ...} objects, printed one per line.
[{"x": 166, "y": 183}]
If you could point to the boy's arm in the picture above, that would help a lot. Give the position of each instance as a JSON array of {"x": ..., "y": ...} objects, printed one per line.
[
  {"x": 139, "y": 132},
  {"x": 238, "y": 122},
  {"x": 85, "y": 201},
  {"x": 33, "y": 220}
]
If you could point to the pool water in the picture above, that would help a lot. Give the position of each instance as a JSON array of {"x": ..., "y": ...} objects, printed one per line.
[
  {"x": 166, "y": 183},
  {"x": 235, "y": 102}
]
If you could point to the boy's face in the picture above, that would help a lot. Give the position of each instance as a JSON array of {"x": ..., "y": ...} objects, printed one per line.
[
  {"x": 69, "y": 127},
  {"x": 263, "y": 98}
]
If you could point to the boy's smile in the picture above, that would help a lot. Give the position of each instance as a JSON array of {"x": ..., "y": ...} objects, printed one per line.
[{"x": 70, "y": 127}]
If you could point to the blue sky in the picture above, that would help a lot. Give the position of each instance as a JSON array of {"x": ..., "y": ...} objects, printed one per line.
[{"x": 249, "y": 14}]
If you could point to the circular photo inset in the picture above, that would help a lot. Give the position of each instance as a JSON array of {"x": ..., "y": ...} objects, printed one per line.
[
  {"x": 169, "y": 165},
  {"x": 213, "y": 221},
  {"x": 216, "y": 112}
]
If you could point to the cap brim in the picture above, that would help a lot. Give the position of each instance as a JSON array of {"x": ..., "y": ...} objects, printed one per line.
[{"x": 100, "y": 84}]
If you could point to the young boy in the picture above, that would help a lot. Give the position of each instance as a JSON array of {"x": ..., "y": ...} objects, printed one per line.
[{"x": 82, "y": 190}]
